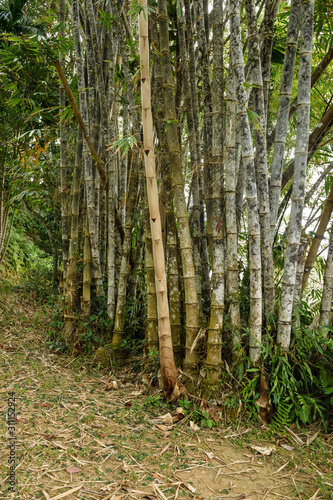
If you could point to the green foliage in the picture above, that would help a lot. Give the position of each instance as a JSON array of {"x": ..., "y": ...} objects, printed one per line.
[
  {"x": 93, "y": 331},
  {"x": 300, "y": 381},
  {"x": 24, "y": 256},
  {"x": 153, "y": 400},
  {"x": 136, "y": 307},
  {"x": 123, "y": 144},
  {"x": 197, "y": 414},
  {"x": 255, "y": 119},
  {"x": 136, "y": 8},
  {"x": 56, "y": 341},
  {"x": 282, "y": 415}
]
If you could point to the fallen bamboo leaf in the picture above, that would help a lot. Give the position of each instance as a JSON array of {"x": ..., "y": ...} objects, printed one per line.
[
  {"x": 315, "y": 495},
  {"x": 73, "y": 469},
  {"x": 67, "y": 493},
  {"x": 129, "y": 402},
  {"x": 159, "y": 493},
  {"x": 163, "y": 419},
  {"x": 161, "y": 453},
  {"x": 136, "y": 393},
  {"x": 126, "y": 487},
  {"x": 189, "y": 487},
  {"x": 178, "y": 415},
  {"x": 194, "y": 426},
  {"x": 294, "y": 436},
  {"x": 62, "y": 447},
  {"x": 213, "y": 415},
  {"x": 49, "y": 436},
  {"x": 46, "y": 495},
  {"x": 110, "y": 496},
  {"x": 287, "y": 447},
  {"x": 201, "y": 333},
  {"x": 163, "y": 428},
  {"x": 263, "y": 450},
  {"x": 111, "y": 385},
  {"x": 280, "y": 468},
  {"x": 124, "y": 467},
  {"x": 310, "y": 439}
]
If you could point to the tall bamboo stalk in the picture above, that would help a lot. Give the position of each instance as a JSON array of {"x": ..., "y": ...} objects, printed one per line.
[
  {"x": 207, "y": 118},
  {"x": 171, "y": 385},
  {"x": 152, "y": 321},
  {"x": 261, "y": 158},
  {"x": 195, "y": 216},
  {"x": 237, "y": 65},
  {"x": 197, "y": 181},
  {"x": 65, "y": 218},
  {"x": 124, "y": 271},
  {"x": 214, "y": 340},
  {"x": 72, "y": 285},
  {"x": 302, "y": 135},
  {"x": 326, "y": 299},
  {"x": 283, "y": 111},
  {"x": 318, "y": 237},
  {"x": 230, "y": 211},
  {"x": 171, "y": 247},
  {"x": 191, "y": 297},
  {"x": 267, "y": 33},
  {"x": 86, "y": 283}
]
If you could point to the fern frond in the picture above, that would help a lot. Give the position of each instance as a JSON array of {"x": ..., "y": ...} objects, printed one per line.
[{"x": 282, "y": 415}]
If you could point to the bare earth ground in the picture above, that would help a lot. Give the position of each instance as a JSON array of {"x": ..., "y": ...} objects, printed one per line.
[{"x": 76, "y": 441}]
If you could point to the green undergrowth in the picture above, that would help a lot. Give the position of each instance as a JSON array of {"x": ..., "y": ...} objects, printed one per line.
[
  {"x": 300, "y": 382},
  {"x": 27, "y": 266}
]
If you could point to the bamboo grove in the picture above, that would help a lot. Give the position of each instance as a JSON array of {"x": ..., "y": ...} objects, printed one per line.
[{"x": 194, "y": 176}]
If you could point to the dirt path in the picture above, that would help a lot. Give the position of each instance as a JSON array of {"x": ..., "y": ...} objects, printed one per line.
[{"x": 72, "y": 435}]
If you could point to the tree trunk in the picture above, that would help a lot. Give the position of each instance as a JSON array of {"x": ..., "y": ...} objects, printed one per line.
[
  {"x": 315, "y": 139},
  {"x": 198, "y": 210}
]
